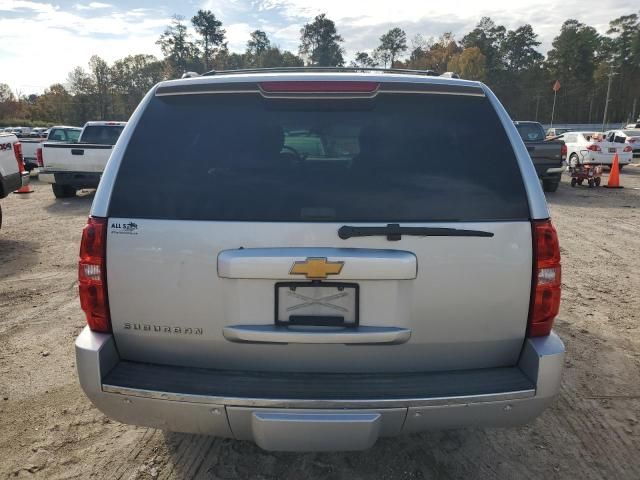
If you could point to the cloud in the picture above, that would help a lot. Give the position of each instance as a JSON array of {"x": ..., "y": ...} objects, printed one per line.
[
  {"x": 70, "y": 37},
  {"x": 237, "y": 35},
  {"x": 24, "y": 5},
  {"x": 116, "y": 28},
  {"x": 92, "y": 6},
  {"x": 362, "y": 23}
]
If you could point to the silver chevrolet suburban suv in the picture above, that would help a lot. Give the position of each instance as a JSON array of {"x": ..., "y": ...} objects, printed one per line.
[{"x": 318, "y": 259}]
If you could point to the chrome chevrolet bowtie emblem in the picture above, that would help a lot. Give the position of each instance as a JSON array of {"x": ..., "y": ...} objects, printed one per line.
[{"x": 316, "y": 268}]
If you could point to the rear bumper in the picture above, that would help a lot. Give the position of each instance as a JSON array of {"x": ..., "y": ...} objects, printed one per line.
[
  {"x": 73, "y": 179},
  {"x": 549, "y": 169},
  {"x": 30, "y": 163},
  {"x": 601, "y": 160},
  {"x": 335, "y": 412}
]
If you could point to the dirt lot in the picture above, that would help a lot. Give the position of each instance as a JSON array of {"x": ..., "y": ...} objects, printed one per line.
[{"x": 50, "y": 430}]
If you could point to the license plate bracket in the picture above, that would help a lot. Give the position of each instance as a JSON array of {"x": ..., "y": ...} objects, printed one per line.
[{"x": 326, "y": 304}]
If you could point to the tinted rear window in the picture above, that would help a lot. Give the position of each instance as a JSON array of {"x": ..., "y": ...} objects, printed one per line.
[
  {"x": 396, "y": 158},
  {"x": 73, "y": 135},
  {"x": 101, "y": 135},
  {"x": 531, "y": 132}
]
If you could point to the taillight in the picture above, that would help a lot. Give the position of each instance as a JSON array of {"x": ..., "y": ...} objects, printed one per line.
[
  {"x": 17, "y": 151},
  {"x": 92, "y": 277},
  {"x": 545, "y": 289},
  {"x": 594, "y": 148},
  {"x": 627, "y": 149},
  {"x": 39, "y": 157},
  {"x": 563, "y": 151},
  {"x": 314, "y": 86}
]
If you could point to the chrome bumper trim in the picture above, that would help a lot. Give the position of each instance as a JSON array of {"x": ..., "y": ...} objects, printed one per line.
[{"x": 324, "y": 404}]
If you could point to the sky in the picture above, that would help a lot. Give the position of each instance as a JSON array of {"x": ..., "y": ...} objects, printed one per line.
[{"x": 42, "y": 41}]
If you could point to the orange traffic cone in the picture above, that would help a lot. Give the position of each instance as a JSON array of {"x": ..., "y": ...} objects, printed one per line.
[
  {"x": 614, "y": 174},
  {"x": 25, "y": 189}
]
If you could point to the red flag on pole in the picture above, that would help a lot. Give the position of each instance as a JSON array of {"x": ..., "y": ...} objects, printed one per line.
[{"x": 556, "y": 86}]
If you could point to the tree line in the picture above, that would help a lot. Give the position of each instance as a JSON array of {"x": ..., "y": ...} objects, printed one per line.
[{"x": 583, "y": 60}]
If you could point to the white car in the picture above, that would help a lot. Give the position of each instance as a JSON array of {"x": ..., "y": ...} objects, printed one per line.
[
  {"x": 591, "y": 148},
  {"x": 628, "y": 137}
]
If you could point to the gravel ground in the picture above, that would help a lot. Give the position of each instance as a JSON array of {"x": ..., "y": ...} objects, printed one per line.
[{"x": 50, "y": 430}]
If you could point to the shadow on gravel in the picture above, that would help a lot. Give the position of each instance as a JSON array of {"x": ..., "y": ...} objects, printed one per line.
[
  {"x": 585, "y": 197},
  {"x": 444, "y": 454},
  {"x": 78, "y": 205},
  {"x": 16, "y": 255}
]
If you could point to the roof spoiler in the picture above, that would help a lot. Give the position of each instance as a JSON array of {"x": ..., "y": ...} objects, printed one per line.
[{"x": 405, "y": 71}]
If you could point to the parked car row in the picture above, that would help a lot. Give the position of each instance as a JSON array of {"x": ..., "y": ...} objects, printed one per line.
[
  {"x": 591, "y": 148},
  {"x": 17, "y": 131},
  {"x": 594, "y": 148},
  {"x": 628, "y": 137}
]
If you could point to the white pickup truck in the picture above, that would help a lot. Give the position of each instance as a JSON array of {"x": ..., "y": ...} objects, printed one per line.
[
  {"x": 12, "y": 176},
  {"x": 60, "y": 134},
  {"x": 73, "y": 166}
]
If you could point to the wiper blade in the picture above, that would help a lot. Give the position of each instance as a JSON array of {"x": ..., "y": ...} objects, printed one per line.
[{"x": 394, "y": 232}]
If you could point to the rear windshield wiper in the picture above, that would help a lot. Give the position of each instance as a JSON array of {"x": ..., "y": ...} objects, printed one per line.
[{"x": 394, "y": 232}]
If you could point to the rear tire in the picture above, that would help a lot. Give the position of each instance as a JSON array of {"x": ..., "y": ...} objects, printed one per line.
[
  {"x": 598, "y": 180},
  {"x": 63, "y": 191},
  {"x": 551, "y": 184},
  {"x": 574, "y": 182},
  {"x": 574, "y": 161}
]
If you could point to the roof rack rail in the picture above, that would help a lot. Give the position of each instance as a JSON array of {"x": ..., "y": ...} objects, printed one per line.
[{"x": 429, "y": 73}]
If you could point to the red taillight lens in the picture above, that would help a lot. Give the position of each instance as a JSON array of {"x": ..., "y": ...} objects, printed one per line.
[
  {"x": 594, "y": 148},
  {"x": 17, "y": 151},
  {"x": 627, "y": 149},
  {"x": 92, "y": 276},
  {"x": 319, "y": 87},
  {"x": 563, "y": 151},
  {"x": 546, "y": 286},
  {"x": 39, "y": 157}
]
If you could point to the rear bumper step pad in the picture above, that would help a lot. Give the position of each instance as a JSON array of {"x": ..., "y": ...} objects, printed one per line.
[{"x": 179, "y": 383}]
